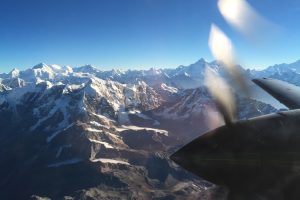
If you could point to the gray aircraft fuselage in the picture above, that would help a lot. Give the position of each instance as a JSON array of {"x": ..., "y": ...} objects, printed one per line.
[{"x": 250, "y": 155}]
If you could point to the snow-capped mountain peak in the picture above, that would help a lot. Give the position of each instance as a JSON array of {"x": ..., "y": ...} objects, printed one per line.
[
  {"x": 87, "y": 69},
  {"x": 14, "y": 73}
]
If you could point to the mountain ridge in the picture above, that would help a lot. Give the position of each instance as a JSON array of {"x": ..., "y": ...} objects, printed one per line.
[{"x": 81, "y": 134}]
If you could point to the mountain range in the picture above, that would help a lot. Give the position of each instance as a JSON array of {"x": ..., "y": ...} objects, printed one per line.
[{"x": 85, "y": 133}]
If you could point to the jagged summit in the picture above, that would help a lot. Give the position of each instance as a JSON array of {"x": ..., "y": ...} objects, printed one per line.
[
  {"x": 202, "y": 60},
  {"x": 39, "y": 65},
  {"x": 87, "y": 69},
  {"x": 14, "y": 73}
]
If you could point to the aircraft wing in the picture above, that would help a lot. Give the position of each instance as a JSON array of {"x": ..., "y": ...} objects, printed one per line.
[{"x": 284, "y": 92}]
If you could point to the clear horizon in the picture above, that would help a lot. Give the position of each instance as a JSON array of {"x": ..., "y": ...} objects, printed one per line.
[
  {"x": 136, "y": 34},
  {"x": 138, "y": 68}
]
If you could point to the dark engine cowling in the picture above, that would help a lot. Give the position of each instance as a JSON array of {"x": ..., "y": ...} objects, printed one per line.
[{"x": 248, "y": 156}]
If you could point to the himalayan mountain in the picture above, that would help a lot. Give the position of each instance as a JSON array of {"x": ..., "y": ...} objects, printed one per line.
[{"x": 85, "y": 133}]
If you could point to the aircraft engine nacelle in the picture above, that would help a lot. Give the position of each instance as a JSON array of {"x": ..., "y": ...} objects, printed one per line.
[{"x": 247, "y": 155}]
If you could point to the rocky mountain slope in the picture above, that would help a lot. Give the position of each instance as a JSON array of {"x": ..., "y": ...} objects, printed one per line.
[{"x": 83, "y": 133}]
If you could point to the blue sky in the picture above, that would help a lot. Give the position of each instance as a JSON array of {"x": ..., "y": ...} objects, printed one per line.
[{"x": 135, "y": 33}]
